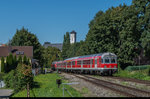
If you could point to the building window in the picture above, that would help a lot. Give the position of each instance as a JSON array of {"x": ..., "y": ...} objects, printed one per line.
[
  {"x": 17, "y": 53},
  {"x": 20, "y": 53}
]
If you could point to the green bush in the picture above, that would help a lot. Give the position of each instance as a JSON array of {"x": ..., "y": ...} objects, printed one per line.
[
  {"x": 133, "y": 68},
  {"x": 142, "y": 74},
  {"x": 122, "y": 73},
  {"x": 119, "y": 68},
  {"x": 18, "y": 79},
  {"x": 2, "y": 76},
  {"x": 9, "y": 79}
]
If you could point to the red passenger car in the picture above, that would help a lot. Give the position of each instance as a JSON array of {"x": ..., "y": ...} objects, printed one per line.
[{"x": 102, "y": 63}]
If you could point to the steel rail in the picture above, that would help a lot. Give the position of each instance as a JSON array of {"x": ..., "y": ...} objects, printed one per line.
[
  {"x": 127, "y": 91},
  {"x": 130, "y": 79}
]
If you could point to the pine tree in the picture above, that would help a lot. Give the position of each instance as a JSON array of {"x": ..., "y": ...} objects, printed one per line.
[
  {"x": 66, "y": 46},
  {"x": 2, "y": 64},
  {"x": 6, "y": 65},
  {"x": 15, "y": 62},
  {"x": 19, "y": 59},
  {"x": 10, "y": 62},
  {"x": 25, "y": 60},
  {"x": 28, "y": 61}
]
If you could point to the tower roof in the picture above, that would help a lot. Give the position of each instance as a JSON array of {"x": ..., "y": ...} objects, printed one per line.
[{"x": 73, "y": 32}]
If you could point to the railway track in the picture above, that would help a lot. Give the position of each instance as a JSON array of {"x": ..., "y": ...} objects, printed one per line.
[
  {"x": 127, "y": 79},
  {"x": 130, "y": 79},
  {"x": 124, "y": 90}
]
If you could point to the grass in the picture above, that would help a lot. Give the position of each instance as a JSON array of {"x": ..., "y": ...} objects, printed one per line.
[
  {"x": 1, "y": 75},
  {"x": 45, "y": 86},
  {"x": 84, "y": 90},
  {"x": 138, "y": 74},
  {"x": 124, "y": 83}
]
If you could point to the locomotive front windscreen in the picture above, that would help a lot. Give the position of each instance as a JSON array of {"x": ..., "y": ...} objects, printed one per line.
[
  {"x": 113, "y": 60},
  {"x": 109, "y": 60}
]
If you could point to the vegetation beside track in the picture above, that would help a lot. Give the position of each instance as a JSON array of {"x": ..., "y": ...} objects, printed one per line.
[
  {"x": 136, "y": 74},
  {"x": 45, "y": 86}
]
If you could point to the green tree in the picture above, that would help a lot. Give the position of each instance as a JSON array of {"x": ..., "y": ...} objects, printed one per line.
[
  {"x": 15, "y": 63},
  {"x": 142, "y": 7},
  {"x": 66, "y": 46},
  {"x": 82, "y": 49},
  {"x": 28, "y": 61},
  {"x": 10, "y": 62},
  {"x": 2, "y": 64},
  {"x": 128, "y": 38},
  {"x": 25, "y": 38},
  {"x": 72, "y": 50},
  {"x": 19, "y": 78},
  {"x": 115, "y": 31},
  {"x": 6, "y": 65},
  {"x": 51, "y": 54},
  {"x": 103, "y": 34},
  {"x": 19, "y": 59},
  {"x": 25, "y": 60}
]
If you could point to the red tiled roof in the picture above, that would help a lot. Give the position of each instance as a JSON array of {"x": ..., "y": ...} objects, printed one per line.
[{"x": 5, "y": 50}]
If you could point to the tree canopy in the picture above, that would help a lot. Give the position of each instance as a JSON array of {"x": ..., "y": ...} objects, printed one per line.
[
  {"x": 25, "y": 38},
  {"x": 50, "y": 54},
  {"x": 123, "y": 30}
]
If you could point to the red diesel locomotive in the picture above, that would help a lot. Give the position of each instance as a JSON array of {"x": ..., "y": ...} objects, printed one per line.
[{"x": 101, "y": 63}]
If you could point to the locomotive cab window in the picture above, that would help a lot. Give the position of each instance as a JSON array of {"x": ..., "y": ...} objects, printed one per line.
[
  {"x": 107, "y": 60},
  {"x": 113, "y": 60}
]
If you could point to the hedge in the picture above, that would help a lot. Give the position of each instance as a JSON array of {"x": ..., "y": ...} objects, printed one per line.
[
  {"x": 133, "y": 68},
  {"x": 1, "y": 76}
]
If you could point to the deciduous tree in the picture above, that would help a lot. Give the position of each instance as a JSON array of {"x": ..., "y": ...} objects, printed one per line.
[{"x": 25, "y": 38}]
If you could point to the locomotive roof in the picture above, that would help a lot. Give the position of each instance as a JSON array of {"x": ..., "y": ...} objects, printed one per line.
[
  {"x": 55, "y": 62},
  {"x": 72, "y": 58},
  {"x": 92, "y": 55}
]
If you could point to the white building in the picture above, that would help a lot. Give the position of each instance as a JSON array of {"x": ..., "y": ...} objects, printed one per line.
[{"x": 72, "y": 37}]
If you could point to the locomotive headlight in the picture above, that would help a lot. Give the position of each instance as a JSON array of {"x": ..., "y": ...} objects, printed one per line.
[{"x": 114, "y": 66}]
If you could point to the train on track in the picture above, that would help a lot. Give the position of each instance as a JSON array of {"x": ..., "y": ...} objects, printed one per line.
[{"x": 101, "y": 63}]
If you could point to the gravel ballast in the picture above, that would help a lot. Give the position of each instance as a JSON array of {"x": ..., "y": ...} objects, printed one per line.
[{"x": 91, "y": 89}]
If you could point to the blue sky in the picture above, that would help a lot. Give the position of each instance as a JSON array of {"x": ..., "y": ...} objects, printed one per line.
[{"x": 50, "y": 19}]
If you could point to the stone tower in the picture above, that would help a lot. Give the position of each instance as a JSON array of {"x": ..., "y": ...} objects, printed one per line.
[{"x": 73, "y": 37}]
